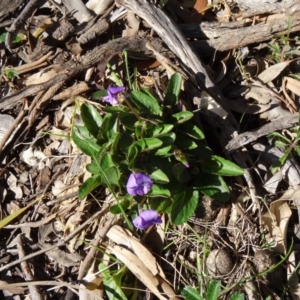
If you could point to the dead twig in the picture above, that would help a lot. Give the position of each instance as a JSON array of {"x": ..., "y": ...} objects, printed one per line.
[
  {"x": 59, "y": 244},
  {"x": 34, "y": 292},
  {"x": 251, "y": 136}
]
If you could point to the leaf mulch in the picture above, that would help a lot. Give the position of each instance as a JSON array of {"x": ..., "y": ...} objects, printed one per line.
[{"x": 241, "y": 69}]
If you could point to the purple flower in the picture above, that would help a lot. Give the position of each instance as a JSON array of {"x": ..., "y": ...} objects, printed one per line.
[
  {"x": 112, "y": 93},
  {"x": 139, "y": 184},
  {"x": 146, "y": 218}
]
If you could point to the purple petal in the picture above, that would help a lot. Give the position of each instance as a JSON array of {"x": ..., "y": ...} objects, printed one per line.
[
  {"x": 151, "y": 215},
  {"x": 114, "y": 90},
  {"x": 139, "y": 184},
  {"x": 112, "y": 93},
  {"x": 139, "y": 223},
  {"x": 111, "y": 100},
  {"x": 146, "y": 219}
]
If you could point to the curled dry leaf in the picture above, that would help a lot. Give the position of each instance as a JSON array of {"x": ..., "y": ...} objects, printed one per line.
[
  {"x": 292, "y": 85},
  {"x": 138, "y": 268},
  {"x": 141, "y": 263},
  {"x": 271, "y": 73},
  {"x": 132, "y": 26},
  {"x": 276, "y": 219},
  {"x": 120, "y": 236}
]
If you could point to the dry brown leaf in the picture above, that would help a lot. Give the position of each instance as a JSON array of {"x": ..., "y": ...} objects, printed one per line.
[
  {"x": 12, "y": 182},
  {"x": 276, "y": 219},
  {"x": 120, "y": 236},
  {"x": 132, "y": 26},
  {"x": 137, "y": 267},
  {"x": 271, "y": 73},
  {"x": 292, "y": 84}
]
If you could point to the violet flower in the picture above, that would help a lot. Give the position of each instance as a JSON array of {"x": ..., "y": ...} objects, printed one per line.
[
  {"x": 112, "y": 93},
  {"x": 146, "y": 218},
  {"x": 139, "y": 184}
]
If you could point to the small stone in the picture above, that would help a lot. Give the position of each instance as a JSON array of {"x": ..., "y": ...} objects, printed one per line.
[{"x": 219, "y": 262}]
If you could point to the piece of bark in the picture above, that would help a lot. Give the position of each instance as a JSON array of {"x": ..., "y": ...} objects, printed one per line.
[
  {"x": 78, "y": 10},
  {"x": 9, "y": 6},
  {"x": 96, "y": 30},
  {"x": 267, "y": 8},
  {"x": 223, "y": 36},
  {"x": 251, "y": 136}
]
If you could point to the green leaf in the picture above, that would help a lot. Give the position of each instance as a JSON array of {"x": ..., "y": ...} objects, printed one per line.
[
  {"x": 181, "y": 173},
  {"x": 91, "y": 118},
  {"x": 213, "y": 186},
  {"x": 157, "y": 190},
  {"x": 132, "y": 155},
  {"x": 159, "y": 176},
  {"x": 3, "y": 37},
  {"x": 192, "y": 131},
  {"x": 108, "y": 128},
  {"x": 112, "y": 284},
  {"x": 280, "y": 144},
  {"x": 281, "y": 161},
  {"x": 161, "y": 130},
  {"x": 115, "y": 209},
  {"x": 84, "y": 141},
  {"x": 168, "y": 140},
  {"x": 106, "y": 161},
  {"x": 181, "y": 117},
  {"x": 237, "y": 296},
  {"x": 184, "y": 205},
  {"x": 112, "y": 175},
  {"x": 173, "y": 90},
  {"x": 297, "y": 149},
  {"x": 218, "y": 165},
  {"x": 189, "y": 293},
  {"x": 185, "y": 143},
  {"x": 99, "y": 94},
  {"x": 89, "y": 185},
  {"x": 117, "y": 109},
  {"x": 214, "y": 290},
  {"x": 279, "y": 135},
  {"x": 145, "y": 103},
  {"x": 94, "y": 168},
  {"x": 161, "y": 204},
  {"x": 148, "y": 144}
]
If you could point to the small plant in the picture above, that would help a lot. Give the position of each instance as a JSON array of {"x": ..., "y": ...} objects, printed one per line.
[
  {"x": 10, "y": 73},
  {"x": 150, "y": 153},
  {"x": 19, "y": 38},
  {"x": 282, "y": 49},
  {"x": 213, "y": 293},
  {"x": 290, "y": 144}
]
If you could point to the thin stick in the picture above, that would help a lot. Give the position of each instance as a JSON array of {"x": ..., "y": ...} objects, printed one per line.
[{"x": 62, "y": 243}]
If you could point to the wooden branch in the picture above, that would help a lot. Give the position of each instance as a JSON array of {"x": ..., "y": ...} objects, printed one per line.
[
  {"x": 251, "y": 136},
  {"x": 229, "y": 35}
]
